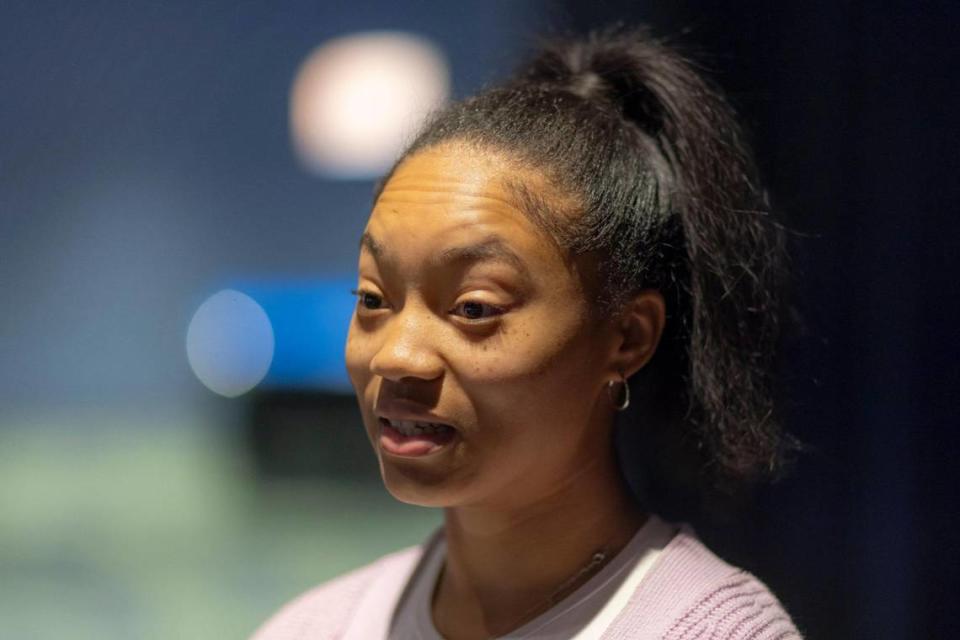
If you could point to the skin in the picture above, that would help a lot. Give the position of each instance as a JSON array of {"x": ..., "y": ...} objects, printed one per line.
[{"x": 509, "y": 351}]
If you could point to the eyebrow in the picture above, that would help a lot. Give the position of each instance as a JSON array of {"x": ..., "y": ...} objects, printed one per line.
[
  {"x": 369, "y": 243},
  {"x": 491, "y": 248}
]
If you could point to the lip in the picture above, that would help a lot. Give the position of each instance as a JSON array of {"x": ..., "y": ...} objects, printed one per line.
[
  {"x": 391, "y": 443},
  {"x": 396, "y": 412},
  {"x": 395, "y": 444}
]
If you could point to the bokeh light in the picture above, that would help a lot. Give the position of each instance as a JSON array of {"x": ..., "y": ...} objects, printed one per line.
[
  {"x": 230, "y": 343},
  {"x": 358, "y": 99}
]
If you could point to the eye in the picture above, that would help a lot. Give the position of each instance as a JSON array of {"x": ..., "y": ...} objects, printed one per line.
[
  {"x": 368, "y": 300},
  {"x": 476, "y": 310}
]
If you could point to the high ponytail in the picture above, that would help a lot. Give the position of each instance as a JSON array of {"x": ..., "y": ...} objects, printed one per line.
[{"x": 668, "y": 191}]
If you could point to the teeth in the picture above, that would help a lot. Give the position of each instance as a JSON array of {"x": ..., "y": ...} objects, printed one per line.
[{"x": 411, "y": 428}]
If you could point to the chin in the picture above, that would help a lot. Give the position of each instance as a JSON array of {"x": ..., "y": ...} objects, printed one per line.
[{"x": 417, "y": 487}]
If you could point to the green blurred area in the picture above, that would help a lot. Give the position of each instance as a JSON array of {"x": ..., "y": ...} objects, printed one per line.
[{"x": 111, "y": 527}]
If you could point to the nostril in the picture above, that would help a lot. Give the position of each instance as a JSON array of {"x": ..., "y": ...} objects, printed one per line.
[
  {"x": 399, "y": 364},
  {"x": 413, "y": 394}
]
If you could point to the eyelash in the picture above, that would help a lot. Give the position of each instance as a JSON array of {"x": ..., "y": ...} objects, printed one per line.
[
  {"x": 498, "y": 311},
  {"x": 365, "y": 296}
]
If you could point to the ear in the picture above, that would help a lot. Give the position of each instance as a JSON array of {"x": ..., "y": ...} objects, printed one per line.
[{"x": 638, "y": 328}]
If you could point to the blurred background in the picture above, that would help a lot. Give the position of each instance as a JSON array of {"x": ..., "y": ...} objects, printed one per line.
[{"x": 182, "y": 187}]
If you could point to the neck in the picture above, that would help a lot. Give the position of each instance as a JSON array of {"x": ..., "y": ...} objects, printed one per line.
[{"x": 504, "y": 560}]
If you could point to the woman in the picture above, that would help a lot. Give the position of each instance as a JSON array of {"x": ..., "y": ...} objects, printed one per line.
[{"x": 593, "y": 221}]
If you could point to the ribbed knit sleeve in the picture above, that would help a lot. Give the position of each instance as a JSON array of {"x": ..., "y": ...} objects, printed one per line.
[
  {"x": 740, "y": 607},
  {"x": 691, "y": 593}
]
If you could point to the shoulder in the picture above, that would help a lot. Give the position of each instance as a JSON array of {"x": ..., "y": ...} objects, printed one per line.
[
  {"x": 323, "y": 612},
  {"x": 691, "y": 593}
]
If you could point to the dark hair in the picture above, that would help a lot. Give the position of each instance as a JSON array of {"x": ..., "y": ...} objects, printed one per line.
[{"x": 666, "y": 188}]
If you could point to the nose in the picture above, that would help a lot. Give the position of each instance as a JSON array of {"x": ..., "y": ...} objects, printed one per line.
[{"x": 408, "y": 349}]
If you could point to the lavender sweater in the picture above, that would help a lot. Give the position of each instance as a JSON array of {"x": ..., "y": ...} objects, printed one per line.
[{"x": 688, "y": 593}]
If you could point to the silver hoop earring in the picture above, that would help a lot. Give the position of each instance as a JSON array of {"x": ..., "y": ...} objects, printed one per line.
[{"x": 625, "y": 402}]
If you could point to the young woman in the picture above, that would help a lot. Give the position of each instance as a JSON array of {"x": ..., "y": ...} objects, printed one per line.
[{"x": 588, "y": 237}]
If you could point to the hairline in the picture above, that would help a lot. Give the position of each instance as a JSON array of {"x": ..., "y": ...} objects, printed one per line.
[{"x": 550, "y": 216}]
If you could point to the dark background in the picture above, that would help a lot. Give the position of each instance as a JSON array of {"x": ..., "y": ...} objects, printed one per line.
[
  {"x": 853, "y": 110},
  {"x": 144, "y": 161}
]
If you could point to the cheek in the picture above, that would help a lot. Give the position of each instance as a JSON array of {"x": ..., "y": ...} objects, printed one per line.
[
  {"x": 527, "y": 373},
  {"x": 357, "y": 357},
  {"x": 532, "y": 407}
]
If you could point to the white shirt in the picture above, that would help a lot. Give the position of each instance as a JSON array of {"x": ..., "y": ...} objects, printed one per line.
[{"x": 583, "y": 615}]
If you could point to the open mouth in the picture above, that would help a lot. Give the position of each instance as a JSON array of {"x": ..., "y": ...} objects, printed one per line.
[{"x": 414, "y": 438}]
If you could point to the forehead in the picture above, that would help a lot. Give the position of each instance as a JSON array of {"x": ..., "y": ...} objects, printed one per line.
[{"x": 455, "y": 194}]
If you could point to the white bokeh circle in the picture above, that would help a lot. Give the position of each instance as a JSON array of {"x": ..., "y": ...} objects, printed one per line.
[
  {"x": 357, "y": 100},
  {"x": 230, "y": 343}
]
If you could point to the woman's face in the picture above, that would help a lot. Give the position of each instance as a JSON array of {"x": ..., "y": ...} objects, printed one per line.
[{"x": 471, "y": 317}]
